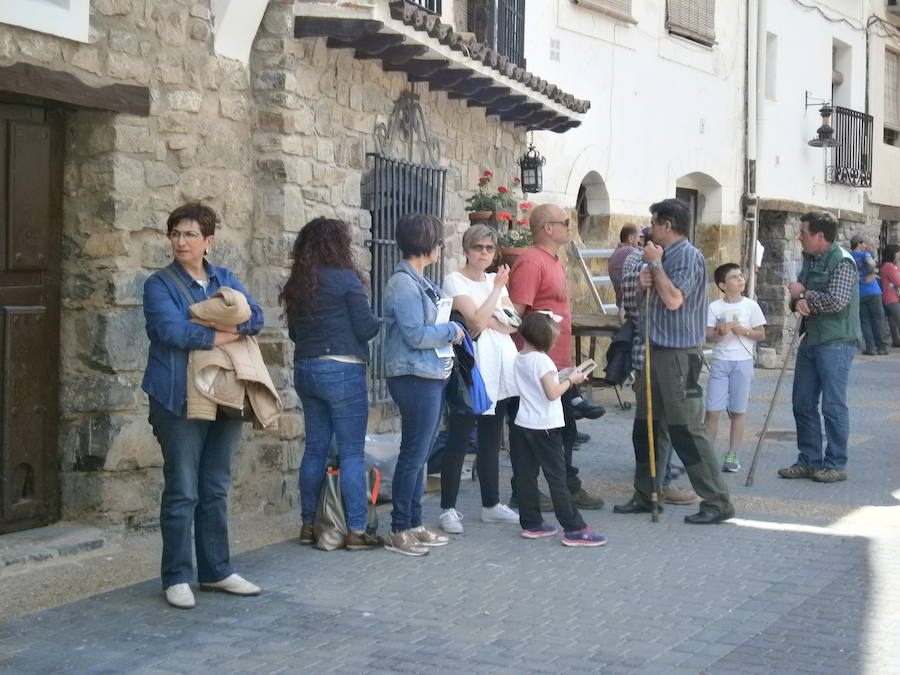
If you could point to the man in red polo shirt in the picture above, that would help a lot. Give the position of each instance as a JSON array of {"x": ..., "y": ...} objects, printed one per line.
[{"x": 537, "y": 281}]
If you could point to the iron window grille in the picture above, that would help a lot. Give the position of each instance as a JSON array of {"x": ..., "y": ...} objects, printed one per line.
[
  {"x": 433, "y": 6},
  {"x": 394, "y": 188},
  {"x": 500, "y": 24},
  {"x": 852, "y": 157}
]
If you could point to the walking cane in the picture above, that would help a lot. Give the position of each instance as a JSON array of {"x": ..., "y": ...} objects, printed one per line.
[
  {"x": 654, "y": 498},
  {"x": 762, "y": 434}
]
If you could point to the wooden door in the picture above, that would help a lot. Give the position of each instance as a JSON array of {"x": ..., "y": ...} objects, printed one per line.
[{"x": 30, "y": 229}]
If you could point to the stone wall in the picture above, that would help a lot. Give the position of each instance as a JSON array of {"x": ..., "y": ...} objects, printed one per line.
[
  {"x": 269, "y": 146},
  {"x": 779, "y": 227}
]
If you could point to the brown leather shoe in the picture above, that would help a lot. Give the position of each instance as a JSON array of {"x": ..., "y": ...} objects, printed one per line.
[
  {"x": 360, "y": 540},
  {"x": 796, "y": 471},
  {"x": 829, "y": 475},
  {"x": 585, "y": 500},
  {"x": 307, "y": 535},
  {"x": 672, "y": 494}
]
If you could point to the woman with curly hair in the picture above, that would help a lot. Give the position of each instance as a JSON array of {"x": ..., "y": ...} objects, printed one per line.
[{"x": 331, "y": 322}]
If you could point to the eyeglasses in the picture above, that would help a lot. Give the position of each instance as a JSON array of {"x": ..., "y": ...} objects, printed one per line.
[
  {"x": 189, "y": 235},
  {"x": 483, "y": 248},
  {"x": 564, "y": 223}
]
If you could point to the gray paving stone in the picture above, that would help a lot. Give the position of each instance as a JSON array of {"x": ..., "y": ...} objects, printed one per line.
[{"x": 659, "y": 598}]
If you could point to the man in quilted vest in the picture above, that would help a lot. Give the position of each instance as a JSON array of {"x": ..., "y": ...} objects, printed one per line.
[{"x": 827, "y": 296}]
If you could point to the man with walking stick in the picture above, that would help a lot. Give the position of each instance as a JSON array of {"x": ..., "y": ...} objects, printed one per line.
[
  {"x": 675, "y": 321},
  {"x": 827, "y": 296}
]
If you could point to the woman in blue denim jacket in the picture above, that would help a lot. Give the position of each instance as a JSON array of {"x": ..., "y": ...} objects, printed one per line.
[
  {"x": 416, "y": 374},
  {"x": 330, "y": 322},
  {"x": 196, "y": 453}
]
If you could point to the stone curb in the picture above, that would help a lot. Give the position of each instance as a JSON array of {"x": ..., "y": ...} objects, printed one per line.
[{"x": 44, "y": 544}]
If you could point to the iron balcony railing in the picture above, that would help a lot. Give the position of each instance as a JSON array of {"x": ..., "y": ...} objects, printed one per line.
[
  {"x": 852, "y": 157},
  {"x": 433, "y": 6}
]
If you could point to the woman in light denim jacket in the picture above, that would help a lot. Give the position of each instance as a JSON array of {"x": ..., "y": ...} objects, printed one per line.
[{"x": 416, "y": 375}]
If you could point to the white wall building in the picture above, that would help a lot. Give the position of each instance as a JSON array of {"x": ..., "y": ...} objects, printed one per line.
[
  {"x": 884, "y": 105},
  {"x": 667, "y": 110},
  {"x": 806, "y": 54},
  {"x": 716, "y": 102}
]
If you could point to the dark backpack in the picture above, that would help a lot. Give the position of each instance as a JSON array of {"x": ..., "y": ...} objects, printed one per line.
[{"x": 618, "y": 356}]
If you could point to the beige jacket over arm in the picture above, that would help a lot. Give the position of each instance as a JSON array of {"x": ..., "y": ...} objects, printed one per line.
[{"x": 230, "y": 373}]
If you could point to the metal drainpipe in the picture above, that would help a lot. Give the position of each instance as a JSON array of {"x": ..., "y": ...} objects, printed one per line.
[{"x": 751, "y": 89}]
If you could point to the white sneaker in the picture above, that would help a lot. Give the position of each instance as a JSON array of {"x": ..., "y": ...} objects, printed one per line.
[
  {"x": 499, "y": 513},
  {"x": 180, "y": 596},
  {"x": 234, "y": 584},
  {"x": 451, "y": 521}
]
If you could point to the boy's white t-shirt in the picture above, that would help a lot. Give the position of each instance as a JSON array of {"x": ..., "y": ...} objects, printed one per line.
[
  {"x": 745, "y": 312},
  {"x": 536, "y": 411}
]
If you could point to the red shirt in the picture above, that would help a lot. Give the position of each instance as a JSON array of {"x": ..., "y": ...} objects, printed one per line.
[
  {"x": 538, "y": 281},
  {"x": 890, "y": 283}
]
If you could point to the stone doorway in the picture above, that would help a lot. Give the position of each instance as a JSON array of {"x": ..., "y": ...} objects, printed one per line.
[{"x": 31, "y": 153}]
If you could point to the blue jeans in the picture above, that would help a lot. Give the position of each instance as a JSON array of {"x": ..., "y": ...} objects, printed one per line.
[
  {"x": 197, "y": 471},
  {"x": 822, "y": 371},
  {"x": 335, "y": 404},
  {"x": 421, "y": 403},
  {"x": 871, "y": 321}
]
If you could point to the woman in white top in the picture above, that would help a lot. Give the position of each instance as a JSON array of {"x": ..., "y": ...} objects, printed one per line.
[{"x": 490, "y": 317}]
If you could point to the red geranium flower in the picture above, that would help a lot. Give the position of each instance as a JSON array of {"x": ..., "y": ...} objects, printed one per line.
[
  {"x": 525, "y": 205},
  {"x": 482, "y": 181},
  {"x": 517, "y": 180},
  {"x": 502, "y": 190},
  {"x": 503, "y": 215},
  {"x": 488, "y": 173},
  {"x": 522, "y": 221}
]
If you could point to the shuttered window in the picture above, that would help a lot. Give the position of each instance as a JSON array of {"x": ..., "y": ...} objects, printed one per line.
[
  {"x": 892, "y": 89},
  {"x": 620, "y": 9},
  {"x": 693, "y": 19}
]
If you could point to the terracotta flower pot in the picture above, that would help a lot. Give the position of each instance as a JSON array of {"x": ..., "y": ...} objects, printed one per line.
[
  {"x": 509, "y": 255},
  {"x": 481, "y": 217}
]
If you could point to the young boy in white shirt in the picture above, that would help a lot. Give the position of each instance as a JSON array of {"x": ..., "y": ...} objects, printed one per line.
[{"x": 735, "y": 324}]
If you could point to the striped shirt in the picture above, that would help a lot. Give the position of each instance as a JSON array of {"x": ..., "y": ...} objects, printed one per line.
[
  {"x": 684, "y": 327},
  {"x": 631, "y": 269}
]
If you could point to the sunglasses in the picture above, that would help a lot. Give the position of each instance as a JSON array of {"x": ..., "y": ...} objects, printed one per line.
[
  {"x": 564, "y": 223},
  {"x": 483, "y": 248}
]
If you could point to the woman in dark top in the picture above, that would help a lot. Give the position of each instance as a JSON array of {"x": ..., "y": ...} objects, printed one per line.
[{"x": 330, "y": 322}]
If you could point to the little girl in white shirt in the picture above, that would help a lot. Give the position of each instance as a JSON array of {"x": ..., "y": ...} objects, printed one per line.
[{"x": 536, "y": 437}]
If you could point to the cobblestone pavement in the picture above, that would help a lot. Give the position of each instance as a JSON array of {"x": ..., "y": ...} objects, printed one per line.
[{"x": 804, "y": 579}]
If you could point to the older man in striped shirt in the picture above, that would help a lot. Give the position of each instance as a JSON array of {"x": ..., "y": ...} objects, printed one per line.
[{"x": 675, "y": 278}]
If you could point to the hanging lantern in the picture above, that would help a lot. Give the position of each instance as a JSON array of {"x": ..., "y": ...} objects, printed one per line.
[
  {"x": 530, "y": 165},
  {"x": 825, "y": 133}
]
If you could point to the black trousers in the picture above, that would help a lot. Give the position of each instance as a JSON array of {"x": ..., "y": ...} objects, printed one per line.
[
  {"x": 573, "y": 482},
  {"x": 487, "y": 461},
  {"x": 542, "y": 450}
]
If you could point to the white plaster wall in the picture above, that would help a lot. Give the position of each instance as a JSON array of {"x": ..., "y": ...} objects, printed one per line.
[
  {"x": 662, "y": 107},
  {"x": 886, "y": 158},
  {"x": 235, "y": 23},
  {"x": 787, "y": 167},
  {"x": 65, "y": 18}
]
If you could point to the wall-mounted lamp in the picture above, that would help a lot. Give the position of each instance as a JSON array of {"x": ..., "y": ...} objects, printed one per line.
[
  {"x": 825, "y": 133},
  {"x": 530, "y": 165}
]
